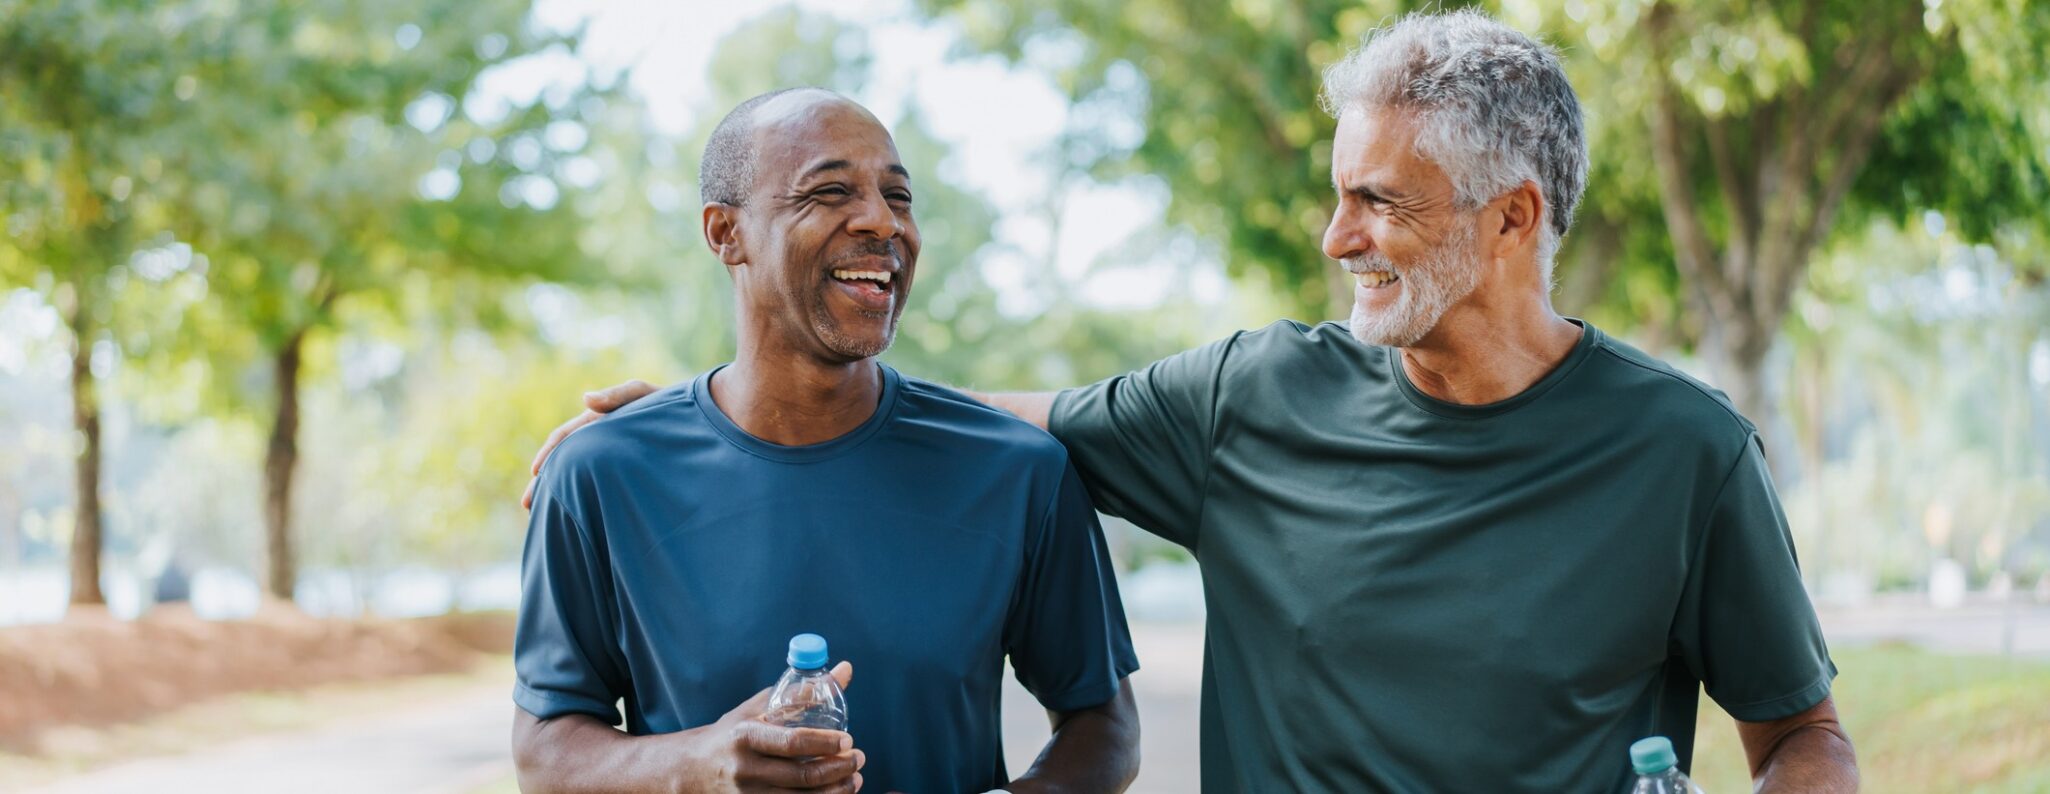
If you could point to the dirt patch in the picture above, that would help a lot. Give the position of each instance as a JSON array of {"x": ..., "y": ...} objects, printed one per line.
[{"x": 94, "y": 669}]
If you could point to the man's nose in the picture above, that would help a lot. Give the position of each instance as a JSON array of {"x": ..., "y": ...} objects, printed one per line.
[
  {"x": 875, "y": 218},
  {"x": 1346, "y": 238}
]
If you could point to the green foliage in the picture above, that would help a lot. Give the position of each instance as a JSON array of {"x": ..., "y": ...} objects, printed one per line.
[
  {"x": 1834, "y": 112},
  {"x": 344, "y": 167},
  {"x": 1225, "y": 97}
]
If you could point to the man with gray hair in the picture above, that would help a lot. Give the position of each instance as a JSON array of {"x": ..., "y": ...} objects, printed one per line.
[{"x": 1466, "y": 544}]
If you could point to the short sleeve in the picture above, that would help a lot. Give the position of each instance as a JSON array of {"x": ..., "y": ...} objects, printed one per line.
[
  {"x": 1066, "y": 633},
  {"x": 565, "y": 653},
  {"x": 1142, "y": 440},
  {"x": 1746, "y": 627}
]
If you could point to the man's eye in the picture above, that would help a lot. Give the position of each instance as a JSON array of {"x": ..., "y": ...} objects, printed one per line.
[
  {"x": 901, "y": 196},
  {"x": 834, "y": 190}
]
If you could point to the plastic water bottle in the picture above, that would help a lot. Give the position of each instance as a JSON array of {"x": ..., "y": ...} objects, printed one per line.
[
  {"x": 807, "y": 696},
  {"x": 1658, "y": 768}
]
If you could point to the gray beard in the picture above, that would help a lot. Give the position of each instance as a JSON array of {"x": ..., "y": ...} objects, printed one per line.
[{"x": 1431, "y": 285}]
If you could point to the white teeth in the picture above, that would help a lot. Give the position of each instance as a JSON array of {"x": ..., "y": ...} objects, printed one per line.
[
  {"x": 1375, "y": 279},
  {"x": 881, "y": 276}
]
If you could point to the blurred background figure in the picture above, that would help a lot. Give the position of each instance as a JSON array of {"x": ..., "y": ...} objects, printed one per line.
[
  {"x": 174, "y": 584},
  {"x": 295, "y": 288}
]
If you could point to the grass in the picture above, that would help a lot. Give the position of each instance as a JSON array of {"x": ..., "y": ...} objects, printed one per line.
[{"x": 1921, "y": 722}]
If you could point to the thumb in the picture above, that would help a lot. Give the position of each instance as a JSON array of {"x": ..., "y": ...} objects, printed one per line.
[
  {"x": 844, "y": 674},
  {"x": 752, "y": 707}
]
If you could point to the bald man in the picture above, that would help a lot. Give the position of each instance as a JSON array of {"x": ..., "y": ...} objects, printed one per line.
[{"x": 806, "y": 487}]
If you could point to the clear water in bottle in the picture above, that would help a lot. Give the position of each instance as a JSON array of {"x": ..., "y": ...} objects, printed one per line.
[
  {"x": 1658, "y": 768},
  {"x": 807, "y": 696}
]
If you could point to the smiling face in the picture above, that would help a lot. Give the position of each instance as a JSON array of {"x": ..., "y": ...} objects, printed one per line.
[
  {"x": 1413, "y": 253},
  {"x": 826, "y": 246}
]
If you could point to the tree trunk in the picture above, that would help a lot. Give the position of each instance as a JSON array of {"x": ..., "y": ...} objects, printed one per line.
[
  {"x": 1734, "y": 349},
  {"x": 279, "y": 463},
  {"x": 86, "y": 536}
]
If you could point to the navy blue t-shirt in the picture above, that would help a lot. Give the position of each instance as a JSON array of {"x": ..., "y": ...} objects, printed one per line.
[{"x": 671, "y": 556}]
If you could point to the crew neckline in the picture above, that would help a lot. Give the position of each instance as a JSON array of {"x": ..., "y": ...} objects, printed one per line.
[
  {"x": 1590, "y": 338},
  {"x": 701, "y": 391}
]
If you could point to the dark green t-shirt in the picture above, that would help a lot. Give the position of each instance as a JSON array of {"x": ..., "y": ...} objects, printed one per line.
[{"x": 1411, "y": 595}]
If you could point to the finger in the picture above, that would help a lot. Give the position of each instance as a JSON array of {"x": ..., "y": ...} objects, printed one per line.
[
  {"x": 606, "y": 401},
  {"x": 844, "y": 673},
  {"x": 561, "y": 432},
  {"x": 806, "y": 775},
  {"x": 527, "y": 499},
  {"x": 776, "y": 740}
]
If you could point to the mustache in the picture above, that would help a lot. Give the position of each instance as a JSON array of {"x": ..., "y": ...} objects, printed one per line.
[
  {"x": 869, "y": 248},
  {"x": 1376, "y": 262}
]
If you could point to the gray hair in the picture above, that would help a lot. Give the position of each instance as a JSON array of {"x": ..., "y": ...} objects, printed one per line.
[
  {"x": 726, "y": 172},
  {"x": 1493, "y": 108}
]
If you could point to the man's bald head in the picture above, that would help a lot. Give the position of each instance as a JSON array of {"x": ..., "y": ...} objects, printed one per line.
[{"x": 726, "y": 173}]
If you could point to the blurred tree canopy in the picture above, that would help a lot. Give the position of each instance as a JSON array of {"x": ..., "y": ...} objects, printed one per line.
[
  {"x": 1768, "y": 126},
  {"x": 312, "y": 152},
  {"x": 258, "y": 215},
  {"x": 363, "y": 185},
  {"x": 88, "y": 109}
]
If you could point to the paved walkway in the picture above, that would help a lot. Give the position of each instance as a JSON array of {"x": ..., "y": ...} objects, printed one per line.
[
  {"x": 2016, "y": 627},
  {"x": 449, "y": 745}
]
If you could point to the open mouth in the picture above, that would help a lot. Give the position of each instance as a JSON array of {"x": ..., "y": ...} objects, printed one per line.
[
  {"x": 1378, "y": 279},
  {"x": 872, "y": 281},
  {"x": 872, "y": 291}
]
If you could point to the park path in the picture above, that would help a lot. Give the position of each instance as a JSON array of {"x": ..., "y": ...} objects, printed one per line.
[
  {"x": 457, "y": 742},
  {"x": 449, "y": 744}
]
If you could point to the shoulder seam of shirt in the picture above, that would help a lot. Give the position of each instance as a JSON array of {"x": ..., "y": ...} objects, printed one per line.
[
  {"x": 607, "y": 608},
  {"x": 1703, "y": 520},
  {"x": 560, "y": 487},
  {"x": 1210, "y": 435},
  {"x": 1742, "y": 423}
]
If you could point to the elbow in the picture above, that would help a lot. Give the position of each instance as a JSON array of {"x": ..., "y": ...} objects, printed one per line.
[
  {"x": 531, "y": 756},
  {"x": 1124, "y": 715}
]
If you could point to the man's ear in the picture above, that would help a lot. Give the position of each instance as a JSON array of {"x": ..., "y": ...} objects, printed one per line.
[
  {"x": 722, "y": 233},
  {"x": 1520, "y": 211}
]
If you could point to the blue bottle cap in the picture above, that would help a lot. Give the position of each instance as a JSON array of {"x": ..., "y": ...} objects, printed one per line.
[
  {"x": 807, "y": 652},
  {"x": 1649, "y": 756}
]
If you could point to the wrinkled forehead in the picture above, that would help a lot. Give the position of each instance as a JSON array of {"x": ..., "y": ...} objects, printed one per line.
[
  {"x": 1380, "y": 142},
  {"x": 801, "y": 129}
]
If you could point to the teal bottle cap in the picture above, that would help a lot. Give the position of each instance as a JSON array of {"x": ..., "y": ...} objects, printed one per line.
[{"x": 1653, "y": 755}]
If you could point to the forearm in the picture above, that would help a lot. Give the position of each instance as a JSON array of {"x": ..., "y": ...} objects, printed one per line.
[
  {"x": 1035, "y": 407},
  {"x": 1815, "y": 758},
  {"x": 576, "y": 753},
  {"x": 1092, "y": 750}
]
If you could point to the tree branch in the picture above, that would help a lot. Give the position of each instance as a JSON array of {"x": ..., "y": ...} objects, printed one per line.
[
  {"x": 1741, "y": 205},
  {"x": 1835, "y": 187},
  {"x": 1802, "y": 208},
  {"x": 1693, "y": 253}
]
